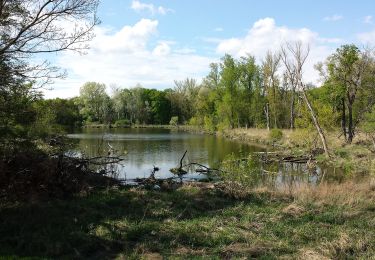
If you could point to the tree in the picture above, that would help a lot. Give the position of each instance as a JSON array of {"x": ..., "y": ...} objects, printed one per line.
[
  {"x": 182, "y": 98},
  {"x": 92, "y": 99},
  {"x": 229, "y": 84},
  {"x": 160, "y": 107},
  {"x": 271, "y": 82},
  {"x": 249, "y": 79},
  {"x": 368, "y": 126},
  {"x": 294, "y": 57},
  {"x": 346, "y": 71},
  {"x": 30, "y": 27}
]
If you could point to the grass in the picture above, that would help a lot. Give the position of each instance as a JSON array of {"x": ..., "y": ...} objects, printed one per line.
[
  {"x": 357, "y": 157},
  {"x": 225, "y": 221}
]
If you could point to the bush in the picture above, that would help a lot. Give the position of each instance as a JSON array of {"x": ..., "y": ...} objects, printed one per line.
[
  {"x": 194, "y": 121},
  {"x": 276, "y": 134},
  {"x": 209, "y": 124},
  {"x": 174, "y": 121},
  {"x": 122, "y": 123}
]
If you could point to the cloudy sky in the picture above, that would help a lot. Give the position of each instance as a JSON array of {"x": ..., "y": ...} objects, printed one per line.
[{"x": 154, "y": 43}]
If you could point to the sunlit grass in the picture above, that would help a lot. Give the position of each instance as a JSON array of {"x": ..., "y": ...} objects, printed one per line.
[{"x": 332, "y": 221}]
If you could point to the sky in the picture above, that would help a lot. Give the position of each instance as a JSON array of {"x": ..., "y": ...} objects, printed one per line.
[{"x": 153, "y": 43}]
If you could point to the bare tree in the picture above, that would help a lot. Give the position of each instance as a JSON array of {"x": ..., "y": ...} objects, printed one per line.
[
  {"x": 294, "y": 57},
  {"x": 31, "y": 27},
  {"x": 270, "y": 67}
]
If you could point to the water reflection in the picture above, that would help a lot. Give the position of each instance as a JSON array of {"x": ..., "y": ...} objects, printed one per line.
[{"x": 143, "y": 149}]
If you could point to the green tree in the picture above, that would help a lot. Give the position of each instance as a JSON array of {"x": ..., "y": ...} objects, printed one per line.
[
  {"x": 229, "y": 85},
  {"x": 347, "y": 69},
  {"x": 92, "y": 99}
]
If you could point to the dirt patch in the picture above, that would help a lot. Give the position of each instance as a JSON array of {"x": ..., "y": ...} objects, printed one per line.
[
  {"x": 293, "y": 210},
  {"x": 189, "y": 251},
  {"x": 308, "y": 254},
  {"x": 255, "y": 250}
]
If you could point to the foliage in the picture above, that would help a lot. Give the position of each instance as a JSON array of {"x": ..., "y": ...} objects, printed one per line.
[
  {"x": 174, "y": 121},
  {"x": 276, "y": 134},
  {"x": 350, "y": 81},
  {"x": 209, "y": 124},
  {"x": 242, "y": 170},
  {"x": 368, "y": 126},
  {"x": 122, "y": 123},
  {"x": 93, "y": 101}
]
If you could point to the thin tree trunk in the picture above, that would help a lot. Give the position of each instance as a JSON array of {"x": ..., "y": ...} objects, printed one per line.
[
  {"x": 266, "y": 111},
  {"x": 316, "y": 123},
  {"x": 350, "y": 124},
  {"x": 292, "y": 111},
  {"x": 343, "y": 119},
  {"x": 274, "y": 104}
]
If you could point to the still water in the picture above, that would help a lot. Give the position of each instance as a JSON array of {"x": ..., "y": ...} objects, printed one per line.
[{"x": 144, "y": 148}]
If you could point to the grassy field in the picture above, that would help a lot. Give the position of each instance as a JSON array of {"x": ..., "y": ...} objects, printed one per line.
[{"x": 212, "y": 221}]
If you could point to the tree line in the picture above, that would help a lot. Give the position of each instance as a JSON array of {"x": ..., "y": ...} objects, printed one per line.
[{"x": 246, "y": 93}]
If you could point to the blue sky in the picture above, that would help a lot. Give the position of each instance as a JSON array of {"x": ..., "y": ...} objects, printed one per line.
[{"x": 154, "y": 43}]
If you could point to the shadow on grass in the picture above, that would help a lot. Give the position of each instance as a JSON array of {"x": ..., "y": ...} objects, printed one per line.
[{"x": 108, "y": 223}]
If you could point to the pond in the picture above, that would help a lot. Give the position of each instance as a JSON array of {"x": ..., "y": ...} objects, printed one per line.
[{"x": 144, "y": 148}]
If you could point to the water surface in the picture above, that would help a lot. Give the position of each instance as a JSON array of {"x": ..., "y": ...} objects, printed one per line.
[{"x": 144, "y": 148}]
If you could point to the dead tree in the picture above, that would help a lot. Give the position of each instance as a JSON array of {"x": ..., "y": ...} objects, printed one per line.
[
  {"x": 270, "y": 67},
  {"x": 294, "y": 57}
]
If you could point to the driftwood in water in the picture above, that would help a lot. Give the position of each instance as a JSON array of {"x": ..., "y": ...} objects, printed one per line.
[
  {"x": 269, "y": 157},
  {"x": 204, "y": 170},
  {"x": 297, "y": 159},
  {"x": 179, "y": 171}
]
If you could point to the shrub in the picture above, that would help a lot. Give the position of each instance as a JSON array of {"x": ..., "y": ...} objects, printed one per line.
[
  {"x": 194, "y": 121},
  {"x": 209, "y": 124},
  {"x": 174, "y": 121},
  {"x": 275, "y": 134},
  {"x": 122, "y": 123}
]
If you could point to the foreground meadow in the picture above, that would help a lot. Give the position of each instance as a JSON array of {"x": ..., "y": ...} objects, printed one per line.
[{"x": 225, "y": 220}]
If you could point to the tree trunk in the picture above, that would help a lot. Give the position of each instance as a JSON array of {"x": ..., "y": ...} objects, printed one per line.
[
  {"x": 343, "y": 119},
  {"x": 316, "y": 123},
  {"x": 350, "y": 124},
  {"x": 292, "y": 111},
  {"x": 274, "y": 105},
  {"x": 266, "y": 111}
]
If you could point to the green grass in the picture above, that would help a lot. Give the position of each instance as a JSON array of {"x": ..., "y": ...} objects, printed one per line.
[{"x": 189, "y": 222}]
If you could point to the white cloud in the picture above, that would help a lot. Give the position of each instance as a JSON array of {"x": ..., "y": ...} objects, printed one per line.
[
  {"x": 218, "y": 29},
  {"x": 127, "y": 57},
  {"x": 333, "y": 18},
  {"x": 368, "y": 19},
  {"x": 162, "y": 49},
  {"x": 367, "y": 38},
  {"x": 129, "y": 39},
  {"x": 139, "y": 7},
  {"x": 265, "y": 35}
]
